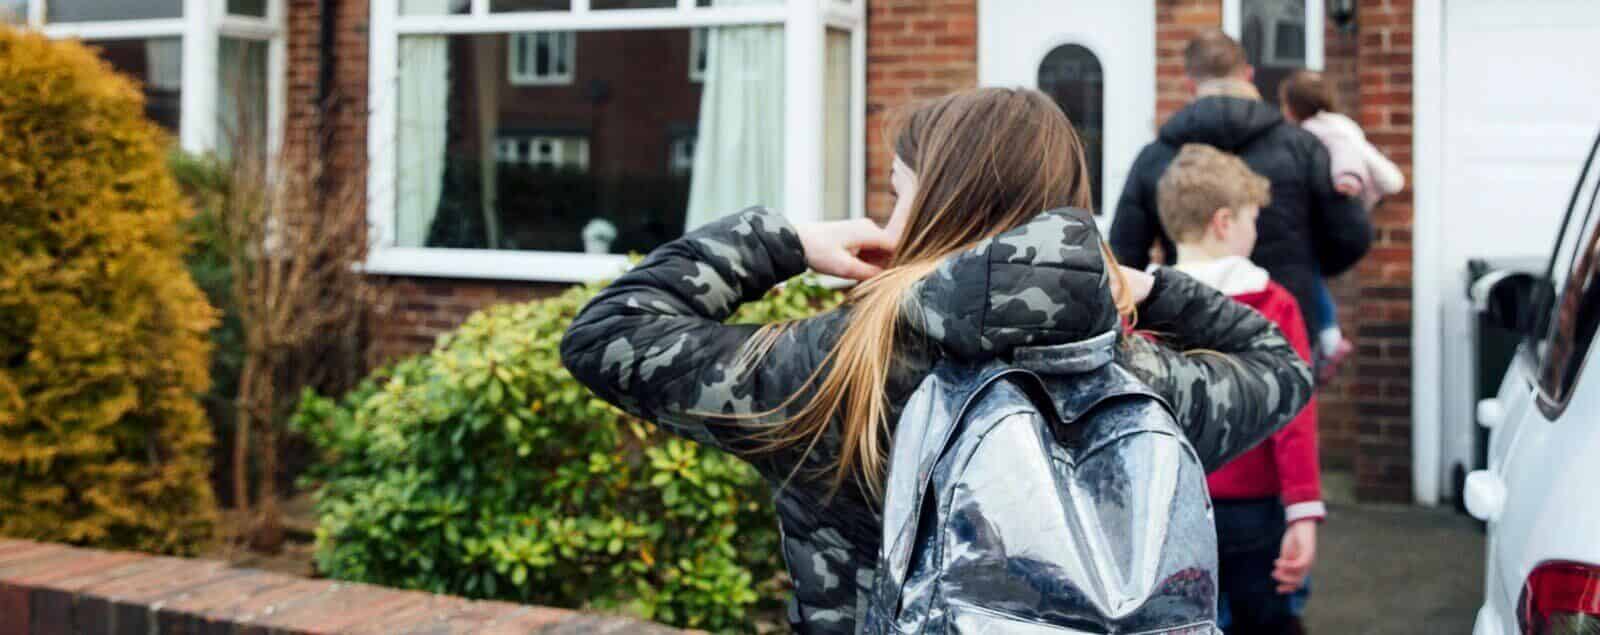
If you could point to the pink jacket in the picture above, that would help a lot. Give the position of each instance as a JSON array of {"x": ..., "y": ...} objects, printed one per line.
[{"x": 1353, "y": 157}]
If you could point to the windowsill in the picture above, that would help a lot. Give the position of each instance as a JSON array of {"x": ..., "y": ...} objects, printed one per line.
[
  {"x": 490, "y": 264},
  {"x": 510, "y": 266}
]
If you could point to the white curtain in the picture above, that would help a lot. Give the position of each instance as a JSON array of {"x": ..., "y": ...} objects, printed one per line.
[
  {"x": 738, "y": 155},
  {"x": 421, "y": 102},
  {"x": 836, "y": 166},
  {"x": 163, "y": 63},
  {"x": 241, "y": 97}
]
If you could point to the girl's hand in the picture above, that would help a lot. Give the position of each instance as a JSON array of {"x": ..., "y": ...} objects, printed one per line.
[
  {"x": 1295, "y": 558},
  {"x": 853, "y": 249},
  {"x": 1139, "y": 283}
]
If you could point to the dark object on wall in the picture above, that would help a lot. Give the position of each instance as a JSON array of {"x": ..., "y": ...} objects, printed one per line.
[{"x": 1342, "y": 13}]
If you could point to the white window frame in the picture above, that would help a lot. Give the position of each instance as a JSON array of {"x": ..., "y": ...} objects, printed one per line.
[
  {"x": 804, "y": 22},
  {"x": 201, "y": 28},
  {"x": 530, "y": 76},
  {"x": 680, "y": 154},
  {"x": 697, "y": 52},
  {"x": 1233, "y": 25}
]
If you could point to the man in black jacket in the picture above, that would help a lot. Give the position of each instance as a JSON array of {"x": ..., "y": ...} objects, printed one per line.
[{"x": 1309, "y": 230}]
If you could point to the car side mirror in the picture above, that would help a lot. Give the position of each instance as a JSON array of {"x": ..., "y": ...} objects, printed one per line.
[{"x": 1509, "y": 300}]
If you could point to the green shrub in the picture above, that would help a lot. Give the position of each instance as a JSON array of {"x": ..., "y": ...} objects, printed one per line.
[
  {"x": 483, "y": 469},
  {"x": 102, "y": 331},
  {"x": 209, "y": 265}
]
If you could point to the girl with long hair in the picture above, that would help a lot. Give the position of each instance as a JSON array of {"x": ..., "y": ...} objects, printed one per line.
[{"x": 982, "y": 254}]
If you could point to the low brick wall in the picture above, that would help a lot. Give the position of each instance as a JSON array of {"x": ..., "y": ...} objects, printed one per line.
[{"x": 46, "y": 589}]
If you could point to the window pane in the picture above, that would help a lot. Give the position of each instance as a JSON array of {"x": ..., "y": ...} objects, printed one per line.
[
  {"x": 257, "y": 8},
  {"x": 505, "y": 6},
  {"x": 836, "y": 119},
  {"x": 435, "y": 7},
  {"x": 1070, "y": 74},
  {"x": 95, "y": 10},
  {"x": 1573, "y": 317},
  {"x": 1273, "y": 33},
  {"x": 157, "y": 64},
  {"x": 633, "y": 4},
  {"x": 13, "y": 11},
  {"x": 608, "y": 162},
  {"x": 242, "y": 98}
]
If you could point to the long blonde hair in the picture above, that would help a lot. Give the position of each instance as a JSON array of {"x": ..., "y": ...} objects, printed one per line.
[{"x": 987, "y": 161}]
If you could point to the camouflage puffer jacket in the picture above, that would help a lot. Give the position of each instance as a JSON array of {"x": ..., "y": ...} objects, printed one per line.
[{"x": 654, "y": 344}]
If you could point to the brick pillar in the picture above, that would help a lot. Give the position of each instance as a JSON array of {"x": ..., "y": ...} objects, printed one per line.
[
  {"x": 916, "y": 49},
  {"x": 1177, "y": 22},
  {"x": 341, "y": 120},
  {"x": 1382, "y": 370},
  {"x": 1337, "y": 402}
]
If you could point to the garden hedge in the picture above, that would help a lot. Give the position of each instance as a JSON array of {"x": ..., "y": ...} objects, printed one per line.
[
  {"x": 102, "y": 332},
  {"x": 484, "y": 469}
]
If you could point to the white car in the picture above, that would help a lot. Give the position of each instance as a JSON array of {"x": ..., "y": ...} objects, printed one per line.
[{"x": 1540, "y": 493}]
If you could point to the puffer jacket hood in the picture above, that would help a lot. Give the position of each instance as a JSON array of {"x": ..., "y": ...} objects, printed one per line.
[
  {"x": 1229, "y": 123},
  {"x": 1041, "y": 284}
]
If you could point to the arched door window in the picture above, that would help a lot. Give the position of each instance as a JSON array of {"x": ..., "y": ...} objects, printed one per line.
[{"x": 1070, "y": 74}]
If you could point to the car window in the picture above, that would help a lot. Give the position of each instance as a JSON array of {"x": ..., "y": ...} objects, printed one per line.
[{"x": 1568, "y": 307}]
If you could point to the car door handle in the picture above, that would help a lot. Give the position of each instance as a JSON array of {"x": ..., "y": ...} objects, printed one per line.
[
  {"x": 1485, "y": 495},
  {"x": 1491, "y": 413}
]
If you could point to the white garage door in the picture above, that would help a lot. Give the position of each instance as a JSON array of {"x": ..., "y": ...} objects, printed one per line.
[{"x": 1521, "y": 104}]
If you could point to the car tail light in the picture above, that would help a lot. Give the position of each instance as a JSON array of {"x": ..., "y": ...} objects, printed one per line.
[{"x": 1560, "y": 598}]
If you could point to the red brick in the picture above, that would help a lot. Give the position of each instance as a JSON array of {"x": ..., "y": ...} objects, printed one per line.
[
  {"x": 70, "y": 576},
  {"x": 213, "y": 603},
  {"x": 29, "y": 552},
  {"x": 262, "y": 606},
  {"x": 526, "y": 619},
  {"x": 433, "y": 609},
  {"x": 14, "y": 607},
  {"x": 343, "y": 607}
]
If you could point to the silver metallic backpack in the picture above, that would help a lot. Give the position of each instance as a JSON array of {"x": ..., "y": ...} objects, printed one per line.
[{"x": 1051, "y": 495}]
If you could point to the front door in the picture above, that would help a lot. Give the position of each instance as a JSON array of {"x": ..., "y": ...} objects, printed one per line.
[{"x": 1097, "y": 59}]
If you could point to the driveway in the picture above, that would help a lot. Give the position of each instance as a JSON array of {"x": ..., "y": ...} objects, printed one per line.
[{"x": 1396, "y": 569}]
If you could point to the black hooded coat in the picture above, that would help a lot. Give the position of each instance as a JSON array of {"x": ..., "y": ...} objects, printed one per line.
[{"x": 1309, "y": 229}]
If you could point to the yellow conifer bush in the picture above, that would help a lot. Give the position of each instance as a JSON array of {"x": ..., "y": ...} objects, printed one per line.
[{"x": 102, "y": 331}]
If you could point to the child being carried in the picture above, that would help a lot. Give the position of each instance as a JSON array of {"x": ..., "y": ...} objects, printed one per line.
[{"x": 1359, "y": 170}]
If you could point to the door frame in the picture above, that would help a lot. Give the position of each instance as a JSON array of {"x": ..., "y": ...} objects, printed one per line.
[
  {"x": 1428, "y": 152},
  {"x": 1133, "y": 76}
]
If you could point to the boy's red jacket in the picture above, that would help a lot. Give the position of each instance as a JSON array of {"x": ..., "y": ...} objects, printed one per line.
[{"x": 1285, "y": 465}]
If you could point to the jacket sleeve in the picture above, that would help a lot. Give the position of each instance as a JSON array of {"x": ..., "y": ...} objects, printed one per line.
[
  {"x": 653, "y": 342},
  {"x": 1294, "y": 448},
  {"x": 1341, "y": 229},
  {"x": 1229, "y": 374},
  {"x": 1387, "y": 175},
  {"x": 1136, "y": 225}
]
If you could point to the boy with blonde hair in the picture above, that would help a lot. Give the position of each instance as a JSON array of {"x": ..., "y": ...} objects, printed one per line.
[{"x": 1269, "y": 500}]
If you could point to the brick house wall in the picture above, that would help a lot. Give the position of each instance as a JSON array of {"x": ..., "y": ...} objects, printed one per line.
[
  {"x": 1382, "y": 373},
  {"x": 1365, "y": 414},
  {"x": 916, "y": 49}
]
